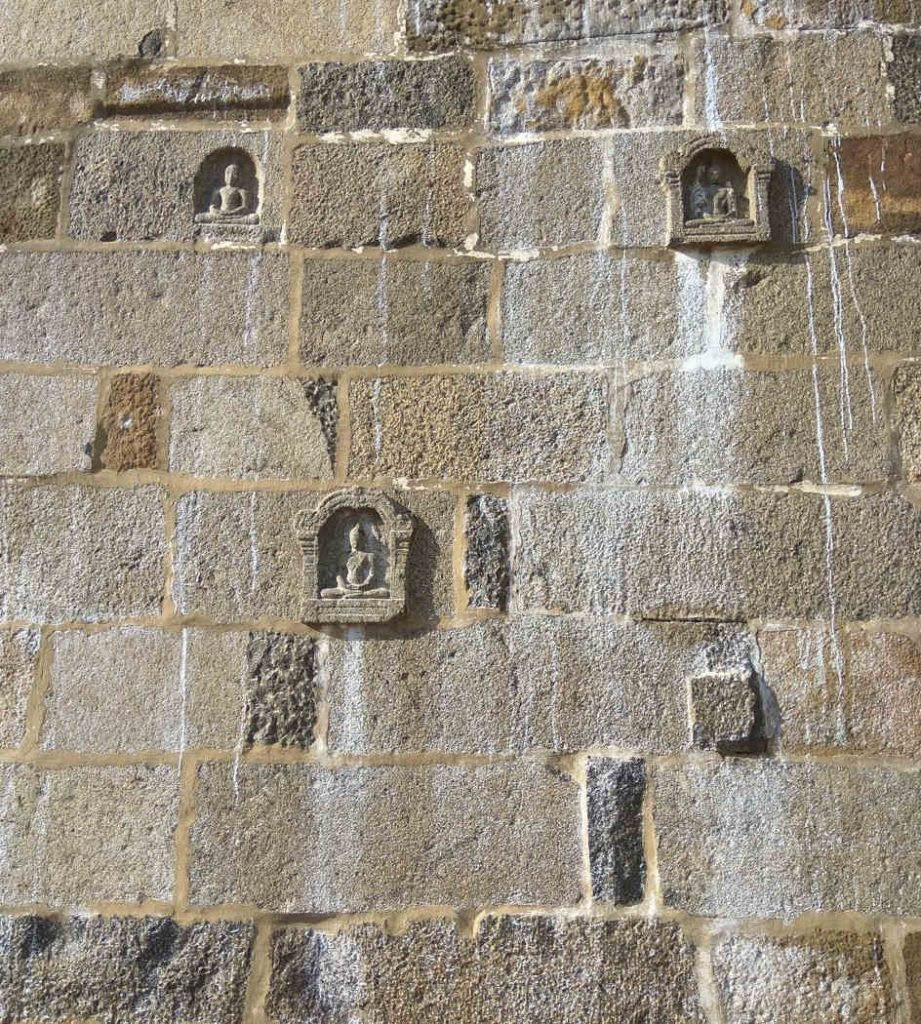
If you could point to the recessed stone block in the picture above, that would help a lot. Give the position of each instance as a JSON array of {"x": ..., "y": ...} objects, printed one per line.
[
  {"x": 129, "y": 425},
  {"x": 30, "y": 191},
  {"x": 486, "y": 560},
  {"x": 34, "y": 100},
  {"x": 904, "y": 74},
  {"x": 875, "y": 184},
  {"x": 615, "y": 829},
  {"x": 281, "y": 706},
  {"x": 18, "y": 655},
  {"x": 912, "y": 953}
]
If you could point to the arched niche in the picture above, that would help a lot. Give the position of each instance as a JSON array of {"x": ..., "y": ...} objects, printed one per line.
[{"x": 227, "y": 191}]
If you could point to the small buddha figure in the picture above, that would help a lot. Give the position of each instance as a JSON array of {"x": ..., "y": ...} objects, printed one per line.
[
  {"x": 229, "y": 203},
  {"x": 723, "y": 197},
  {"x": 710, "y": 198},
  {"x": 359, "y": 572}
]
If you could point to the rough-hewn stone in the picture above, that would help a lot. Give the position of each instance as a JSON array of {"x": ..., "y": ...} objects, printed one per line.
[
  {"x": 912, "y": 954},
  {"x": 779, "y": 14},
  {"x": 384, "y": 837},
  {"x": 906, "y": 384},
  {"x": 759, "y": 838},
  {"x": 726, "y": 712},
  {"x": 281, "y": 701},
  {"x": 74, "y": 836},
  {"x": 615, "y": 829},
  {"x": 486, "y": 557},
  {"x": 904, "y": 74},
  {"x": 378, "y": 194},
  {"x": 532, "y": 970},
  {"x": 34, "y": 100},
  {"x": 465, "y": 427},
  {"x": 149, "y": 970},
  {"x": 393, "y": 311},
  {"x": 18, "y": 654},
  {"x": 129, "y": 423},
  {"x": 30, "y": 191},
  {"x": 875, "y": 183},
  {"x": 126, "y": 308},
  {"x": 374, "y": 95},
  {"x": 80, "y": 552}
]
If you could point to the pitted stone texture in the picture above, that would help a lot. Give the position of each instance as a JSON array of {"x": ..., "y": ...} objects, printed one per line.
[
  {"x": 127, "y": 436},
  {"x": 261, "y": 31},
  {"x": 826, "y": 978},
  {"x": 906, "y": 383},
  {"x": 912, "y": 954},
  {"x": 391, "y": 311},
  {"x": 615, "y": 829},
  {"x": 136, "y": 186},
  {"x": 56, "y": 441},
  {"x": 469, "y": 427},
  {"x": 638, "y": 88},
  {"x": 374, "y": 95},
  {"x": 378, "y": 194},
  {"x": 716, "y": 554},
  {"x": 251, "y": 428},
  {"x": 860, "y": 693},
  {"x": 384, "y": 837},
  {"x": 18, "y": 655},
  {"x": 281, "y": 702},
  {"x": 124, "y": 308},
  {"x": 486, "y": 559},
  {"x": 779, "y": 14},
  {"x": 881, "y": 178},
  {"x": 223, "y": 92},
  {"x": 544, "y": 682},
  {"x": 148, "y": 970},
  {"x": 80, "y": 552},
  {"x": 238, "y": 555},
  {"x": 480, "y": 24},
  {"x": 539, "y": 194},
  {"x": 738, "y": 426},
  {"x": 726, "y": 712},
  {"x": 531, "y": 970},
  {"x": 760, "y": 838},
  {"x": 30, "y": 191},
  {"x": 763, "y": 78},
  {"x": 81, "y": 835},
  {"x": 43, "y": 99},
  {"x": 904, "y": 74}
]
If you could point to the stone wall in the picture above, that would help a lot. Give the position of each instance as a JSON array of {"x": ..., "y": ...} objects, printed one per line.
[{"x": 644, "y": 745}]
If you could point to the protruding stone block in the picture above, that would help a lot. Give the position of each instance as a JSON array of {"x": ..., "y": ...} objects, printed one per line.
[
  {"x": 615, "y": 829},
  {"x": 726, "y": 712},
  {"x": 130, "y": 423}
]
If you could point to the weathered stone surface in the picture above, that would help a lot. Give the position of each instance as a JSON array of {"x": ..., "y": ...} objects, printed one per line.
[
  {"x": 615, "y": 829},
  {"x": 129, "y": 424},
  {"x": 767, "y": 839},
  {"x": 859, "y": 693},
  {"x": 716, "y": 554},
  {"x": 637, "y": 88},
  {"x": 875, "y": 184},
  {"x": 281, "y": 702},
  {"x": 467, "y": 427},
  {"x": 74, "y": 836},
  {"x": 80, "y": 552},
  {"x": 226, "y": 91},
  {"x": 906, "y": 384},
  {"x": 912, "y": 954},
  {"x": 374, "y": 95},
  {"x": 238, "y": 556},
  {"x": 30, "y": 191},
  {"x": 738, "y": 426},
  {"x": 767, "y": 78},
  {"x": 726, "y": 712},
  {"x": 826, "y": 978},
  {"x": 539, "y": 194},
  {"x": 904, "y": 74},
  {"x": 56, "y": 441},
  {"x": 18, "y": 654},
  {"x": 550, "y": 682},
  {"x": 142, "y": 185},
  {"x": 391, "y": 311},
  {"x": 361, "y": 838},
  {"x": 486, "y": 558},
  {"x": 126, "y": 307},
  {"x": 531, "y": 970},
  {"x": 250, "y": 428},
  {"x": 378, "y": 194},
  {"x": 445, "y": 24},
  {"x": 148, "y": 970},
  {"x": 34, "y": 100},
  {"x": 780, "y": 14}
]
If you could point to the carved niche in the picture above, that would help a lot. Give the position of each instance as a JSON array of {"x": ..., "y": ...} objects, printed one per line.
[
  {"x": 355, "y": 545},
  {"x": 228, "y": 195},
  {"x": 716, "y": 195}
]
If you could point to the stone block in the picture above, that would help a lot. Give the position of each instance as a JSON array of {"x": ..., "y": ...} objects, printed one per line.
[
  {"x": 912, "y": 954},
  {"x": 715, "y": 554},
  {"x": 875, "y": 184},
  {"x": 18, "y": 655},
  {"x": 539, "y": 194},
  {"x": 30, "y": 191},
  {"x": 615, "y": 829},
  {"x": 392, "y": 311},
  {"x": 135, "y": 186},
  {"x": 486, "y": 557},
  {"x": 904, "y": 74},
  {"x": 123, "y": 308},
  {"x": 34, "y": 100},
  {"x": 825, "y": 978},
  {"x": 223, "y": 92},
  {"x": 906, "y": 385},
  {"x": 251, "y": 428},
  {"x": 638, "y": 87},
  {"x": 726, "y": 713},
  {"x": 735, "y": 426},
  {"x": 130, "y": 423},
  {"x": 281, "y": 700},
  {"x": 552, "y": 683},
  {"x": 80, "y": 552},
  {"x": 376, "y": 95},
  {"x": 238, "y": 557},
  {"x": 778, "y": 14},
  {"x": 148, "y": 970},
  {"x": 81, "y": 835},
  {"x": 759, "y": 838},
  {"x": 378, "y": 194},
  {"x": 358, "y": 838},
  {"x": 539, "y": 970},
  {"x": 859, "y": 692},
  {"x": 47, "y": 423},
  {"x": 467, "y": 427},
  {"x": 260, "y": 31}
]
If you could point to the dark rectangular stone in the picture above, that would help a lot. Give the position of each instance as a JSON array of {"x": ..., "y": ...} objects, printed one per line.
[{"x": 615, "y": 829}]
